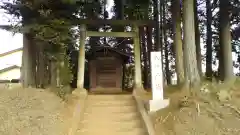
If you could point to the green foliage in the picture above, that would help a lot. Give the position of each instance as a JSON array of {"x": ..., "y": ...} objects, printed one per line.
[
  {"x": 129, "y": 76},
  {"x": 137, "y": 9},
  {"x": 62, "y": 92},
  {"x": 55, "y": 32},
  {"x": 65, "y": 71},
  {"x": 50, "y": 23},
  {"x": 48, "y": 20}
]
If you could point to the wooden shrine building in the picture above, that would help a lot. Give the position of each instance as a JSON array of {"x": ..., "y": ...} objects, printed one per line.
[{"x": 106, "y": 69}]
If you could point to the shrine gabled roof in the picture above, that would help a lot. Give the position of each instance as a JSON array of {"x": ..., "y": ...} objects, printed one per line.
[{"x": 98, "y": 49}]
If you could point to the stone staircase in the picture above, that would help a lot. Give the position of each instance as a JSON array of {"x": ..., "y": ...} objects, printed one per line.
[{"x": 111, "y": 115}]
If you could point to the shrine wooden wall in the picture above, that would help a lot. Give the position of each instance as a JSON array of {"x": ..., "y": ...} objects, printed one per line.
[{"x": 106, "y": 71}]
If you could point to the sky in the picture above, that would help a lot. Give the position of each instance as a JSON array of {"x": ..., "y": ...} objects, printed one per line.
[{"x": 8, "y": 40}]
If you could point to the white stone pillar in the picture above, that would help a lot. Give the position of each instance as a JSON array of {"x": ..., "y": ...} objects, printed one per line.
[{"x": 157, "y": 101}]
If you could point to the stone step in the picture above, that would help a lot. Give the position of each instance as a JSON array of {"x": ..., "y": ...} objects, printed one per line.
[
  {"x": 115, "y": 125},
  {"x": 111, "y": 117},
  {"x": 110, "y": 109},
  {"x": 110, "y": 97},
  {"x": 110, "y": 103},
  {"x": 108, "y": 131}
]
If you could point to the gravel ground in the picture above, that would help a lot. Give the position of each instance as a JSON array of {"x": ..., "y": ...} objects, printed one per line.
[{"x": 31, "y": 112}]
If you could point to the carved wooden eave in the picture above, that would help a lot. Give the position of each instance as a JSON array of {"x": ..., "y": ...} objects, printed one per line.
[{"x": 92, "y": 53}]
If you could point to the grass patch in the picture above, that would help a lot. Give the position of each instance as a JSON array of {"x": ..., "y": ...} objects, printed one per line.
[{"x": 62, "y": 92}]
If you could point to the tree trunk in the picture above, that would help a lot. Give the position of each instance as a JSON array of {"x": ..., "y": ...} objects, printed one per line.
[
  {"x": 124, "y": 86},
  {"x": 197, "y": 39},
  {"x": 53, "y": 73},
  {"x": 189, "y": 48},
  {"x": 209, "y": 41},
  {"x": 47, "y": 72},
  {"x": 149, "y": 49},
  {"x": 144, "y": 56},
  {"x": 120, "y": 16},
  {"x": 225, "y": 41},
  {"x": 166, "y": 51},
  {"x": 27, "y": 71},
  {"x": 158, "y": 38},
  {"x": 41, "y": 65},
  {"x": 177, "y": 37},
  {"x": 162, "y": 14},
  {"x": 58, "y": 77},
  {"x": 37, "y": 55},
  {"x": 93, "y": 41},
  {"x": 24, "y": 78},
  {"x": 34, "y": 64}
]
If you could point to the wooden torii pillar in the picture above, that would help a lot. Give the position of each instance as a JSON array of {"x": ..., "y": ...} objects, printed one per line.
[
  {"x": 81, "y": 57},
  {"x": 135, "y": 35},
  {"x": 137, "y": 59}
]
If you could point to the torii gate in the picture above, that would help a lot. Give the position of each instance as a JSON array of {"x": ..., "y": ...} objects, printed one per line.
[{"x": 84, "y": 33}]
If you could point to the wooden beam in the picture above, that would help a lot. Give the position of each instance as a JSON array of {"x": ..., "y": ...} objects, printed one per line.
[
  {"x": 110, "y": 34},
  {"x": 98, "y": 22}
]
